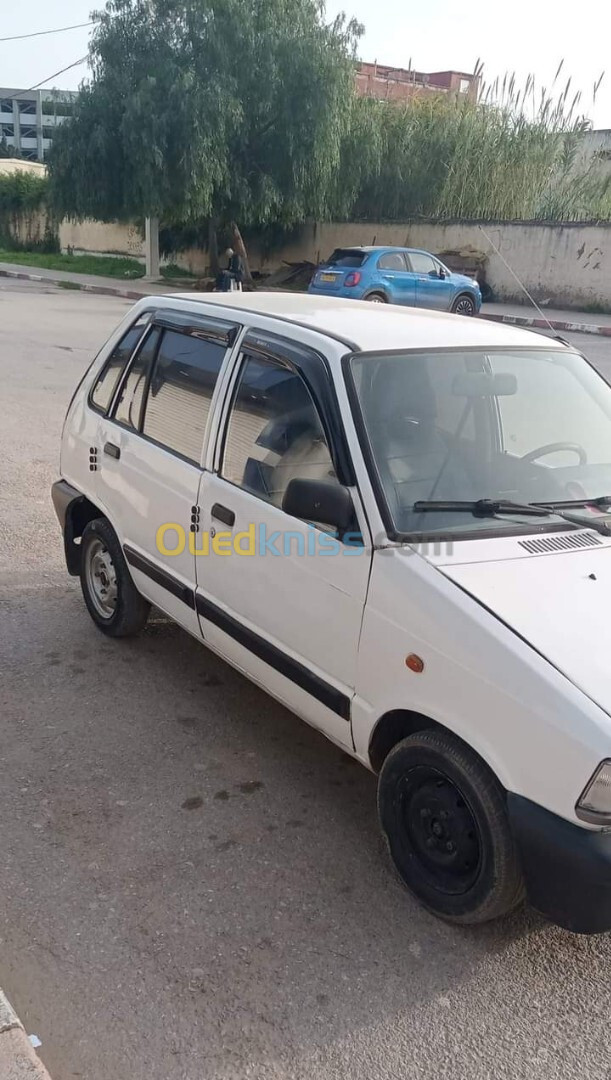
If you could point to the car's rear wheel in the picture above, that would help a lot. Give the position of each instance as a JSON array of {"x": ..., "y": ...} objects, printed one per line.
[
  {"x": 376, "y": 298},
  {"x": 464, "y": 305},
  {"x": 112, "y": 600},
  {"x": 443, "y": 815}
]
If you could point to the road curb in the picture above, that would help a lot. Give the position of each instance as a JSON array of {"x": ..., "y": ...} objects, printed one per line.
[
  {"x": 543, "y": 324},
  {"x": 18, "y": 1060},
  {"x": 83, "y": 286}
]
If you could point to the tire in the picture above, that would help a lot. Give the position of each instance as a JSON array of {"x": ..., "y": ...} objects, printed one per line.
[
  {"x": 464, "y": 305},
  {"x": 112, "y": 600},
  {"x": 443, "y": 815},
  {"x": 377, "y": 298}
]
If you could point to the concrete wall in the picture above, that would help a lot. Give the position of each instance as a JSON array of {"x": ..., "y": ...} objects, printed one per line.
[
  {"x": 29, "y": 229},
  {"x": 13, "y": 165},
  {"x": 97, "y": 237},
  {"x": 568, "y": 265}
]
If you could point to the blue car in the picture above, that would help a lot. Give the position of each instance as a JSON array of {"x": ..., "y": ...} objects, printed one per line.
[{"x": 396, "y": 276}]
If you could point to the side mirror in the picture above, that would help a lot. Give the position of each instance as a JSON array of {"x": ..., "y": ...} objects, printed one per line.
[{"x": 325, "y": 501}]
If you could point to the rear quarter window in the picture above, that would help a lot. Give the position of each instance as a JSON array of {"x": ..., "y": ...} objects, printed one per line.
[{"x": 108, "y": 379}]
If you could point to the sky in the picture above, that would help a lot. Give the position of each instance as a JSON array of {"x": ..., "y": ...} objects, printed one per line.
[{"x": 525, "y": 36}]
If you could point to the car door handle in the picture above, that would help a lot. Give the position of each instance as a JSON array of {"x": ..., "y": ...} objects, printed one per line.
[
  {"x": 112, "y": 450},
  {"x": 223, "y": 513}
]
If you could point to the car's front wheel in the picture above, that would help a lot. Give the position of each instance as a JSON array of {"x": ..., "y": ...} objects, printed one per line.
[
  {"x": 443, "y": 814},
  {"x": 464, "y": 305},
  {"x": 112, "y": 600}
]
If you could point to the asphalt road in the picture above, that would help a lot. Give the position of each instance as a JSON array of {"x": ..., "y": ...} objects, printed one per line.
[{"x": 260, "y": 934}]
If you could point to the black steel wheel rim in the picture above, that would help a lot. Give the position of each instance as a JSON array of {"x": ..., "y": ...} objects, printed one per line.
[{"x": 440, "y": 830}]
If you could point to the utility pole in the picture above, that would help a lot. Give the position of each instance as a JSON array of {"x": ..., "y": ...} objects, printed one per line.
[{"x": 151, "y": 247}]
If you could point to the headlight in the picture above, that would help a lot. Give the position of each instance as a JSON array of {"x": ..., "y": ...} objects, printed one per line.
[{"x": 594, "y": 804}]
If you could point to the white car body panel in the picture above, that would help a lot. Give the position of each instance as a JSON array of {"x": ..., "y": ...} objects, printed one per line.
[
  {"x": 541, "y": 736},
  {"x": 531, "y": 702},
  {"x": 559, "y": 602}
]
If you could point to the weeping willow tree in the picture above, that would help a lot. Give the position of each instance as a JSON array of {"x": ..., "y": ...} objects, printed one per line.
[
  {"x": 228, "y": 110},
  {"x": 512, "y": 154}
]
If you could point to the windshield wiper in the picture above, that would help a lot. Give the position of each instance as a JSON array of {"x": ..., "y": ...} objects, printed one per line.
[
  {"x": 489, "y": 508},
  {"x": 602, "y": 502},
  {"x": 589, "y": 521},
  {"x": 483, "y": 507}
]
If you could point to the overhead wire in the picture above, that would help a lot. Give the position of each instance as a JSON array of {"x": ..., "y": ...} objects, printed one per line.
[
  {"x": 76, "y": 63},
  {"x": 42, "y": 33}
]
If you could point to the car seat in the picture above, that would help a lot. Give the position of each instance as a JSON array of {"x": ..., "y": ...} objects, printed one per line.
[{"x": 410, "y": 450}]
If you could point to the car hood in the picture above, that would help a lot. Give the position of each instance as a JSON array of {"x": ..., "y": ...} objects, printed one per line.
[
  {"x": 559, "y": 603},
  {"x": 464, "y": 279}
]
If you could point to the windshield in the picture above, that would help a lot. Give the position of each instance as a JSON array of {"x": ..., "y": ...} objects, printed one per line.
[{"x": 505, "y": 425}]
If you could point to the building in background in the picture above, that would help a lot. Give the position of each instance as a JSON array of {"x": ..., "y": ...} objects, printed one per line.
[
  {"x": 28, "y": 119},
  {"x": 595, "y": 153},
  {"x": 399, "y": 84}
]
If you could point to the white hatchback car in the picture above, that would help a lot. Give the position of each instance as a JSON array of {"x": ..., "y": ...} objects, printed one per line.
[{"x": 395, "y": 522}]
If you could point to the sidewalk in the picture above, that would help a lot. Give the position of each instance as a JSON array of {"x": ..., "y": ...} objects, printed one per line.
[
  {"x": 515, "y": 314},
  {"x": 18, "y": 1060},
  {"x": 582, "y": 322},
  {"x": 130, "y": 290}
]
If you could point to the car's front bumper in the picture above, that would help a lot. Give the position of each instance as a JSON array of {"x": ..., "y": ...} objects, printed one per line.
[{"x": 567, "y": 868}]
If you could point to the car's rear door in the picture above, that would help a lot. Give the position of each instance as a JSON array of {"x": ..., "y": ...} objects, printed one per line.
[
  {"x": 80, "y": 454},
  {"x": 432, "y": 290},
  {"x": 151, "y": 446},
  {"x": 397, "y": 278},
  {"x": 284, "y": 600}
]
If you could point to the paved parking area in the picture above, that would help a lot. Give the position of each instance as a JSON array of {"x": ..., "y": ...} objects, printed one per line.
[{"x": 191, "y": 880}]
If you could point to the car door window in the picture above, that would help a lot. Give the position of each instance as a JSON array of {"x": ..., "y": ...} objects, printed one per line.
[
  {"x": 108, "y": 379},
  {"x": 421, "y": 263},
  {"x": 274, "y": 433},
  {"x": 393, "y": 260},
  {"x": 180, "y": 392},
  {"x": 131, "y": 395}
]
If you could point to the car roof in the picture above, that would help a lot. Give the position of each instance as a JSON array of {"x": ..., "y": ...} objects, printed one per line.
[
  {"x": 367, "y": 249},
  {"x": 370, "y": 327}
]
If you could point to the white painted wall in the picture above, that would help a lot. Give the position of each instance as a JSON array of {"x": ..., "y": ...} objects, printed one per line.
[
  {"x": 567, "y": 265},
  {"x": 100, "y": 238}
]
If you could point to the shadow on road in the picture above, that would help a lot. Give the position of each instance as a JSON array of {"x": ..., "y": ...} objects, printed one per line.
[{"x": 208, "y": 853}]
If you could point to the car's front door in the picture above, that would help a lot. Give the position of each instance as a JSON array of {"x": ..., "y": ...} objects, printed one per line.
[
  {"x": 397, "y": 277},
  {"x": 281, "y": 597},
  {"x": 151, "y": 447},
  {"x": 432, "y": 289}
]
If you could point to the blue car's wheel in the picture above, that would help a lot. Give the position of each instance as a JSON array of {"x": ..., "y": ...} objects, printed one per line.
[
  {"x": 464, "y": 305},
  {"x": 376, "y": 298}
]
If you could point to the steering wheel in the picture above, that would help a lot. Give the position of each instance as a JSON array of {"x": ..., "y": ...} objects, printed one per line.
[{"x": 553, "y": 448}]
